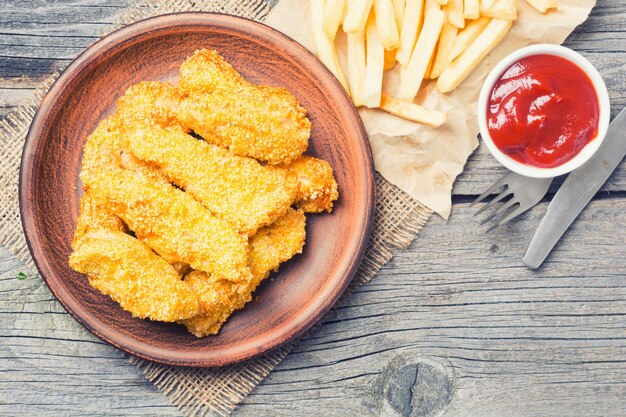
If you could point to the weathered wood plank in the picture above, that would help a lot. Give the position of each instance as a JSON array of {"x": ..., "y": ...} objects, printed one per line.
[
  {"x": 533, "y": 343},
  {"x": 40, "y": 37},
  {"x": 515, "y": 342},
  {"x": 43, "y": 373}
]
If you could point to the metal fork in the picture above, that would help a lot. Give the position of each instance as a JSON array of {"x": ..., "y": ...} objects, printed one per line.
[{"x": 525, "y": 192}]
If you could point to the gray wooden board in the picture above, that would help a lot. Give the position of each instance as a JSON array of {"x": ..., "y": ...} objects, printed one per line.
[{"x": 454, "y": 323}]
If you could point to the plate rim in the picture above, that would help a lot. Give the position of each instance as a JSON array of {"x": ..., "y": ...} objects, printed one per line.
[{"x": 110, "y": 43}]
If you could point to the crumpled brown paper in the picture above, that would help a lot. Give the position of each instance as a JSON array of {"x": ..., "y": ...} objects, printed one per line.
[{"x": 422, "y": 161}]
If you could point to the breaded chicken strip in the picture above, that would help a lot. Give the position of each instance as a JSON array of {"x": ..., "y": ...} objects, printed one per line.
[
  {"x": 139, "y": 280},
  {"x": 262, "y": 122},
  {"x": 152, "y": 293},
  {"x": 234, "y": 188},
  {"x": 163, "y": 217},
  {"x": 92, "y": 217},
  {"x": 102, "y": 146},
  {"x": 317, "y": 185},
  {"x": 277, "y": 243},
  {"x": 150, "y": 100},
  {"x": 170, "y": 221},
  {"x": 219, "y": 298}
]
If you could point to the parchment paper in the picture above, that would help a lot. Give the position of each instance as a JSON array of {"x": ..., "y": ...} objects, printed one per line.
[{"x": 422, "y": 161}]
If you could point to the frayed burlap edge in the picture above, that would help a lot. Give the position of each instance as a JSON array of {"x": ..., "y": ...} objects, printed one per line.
[{"x": 212, "y": 391}]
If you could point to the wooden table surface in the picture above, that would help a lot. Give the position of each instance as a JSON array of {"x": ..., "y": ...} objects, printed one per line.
[{"x": 453, "y": 323}]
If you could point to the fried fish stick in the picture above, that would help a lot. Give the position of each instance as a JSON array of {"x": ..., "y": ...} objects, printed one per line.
[
  {"x": 317, "y": 185},
  {"x": 262, "y": 122},
  {"x": 170, "y": 221},
  {"x": 234, "y": 188},
  {"x": 150, "y": 100},
  {"x": 142, "y": 283},
  {"x": 219, "y": 298}
]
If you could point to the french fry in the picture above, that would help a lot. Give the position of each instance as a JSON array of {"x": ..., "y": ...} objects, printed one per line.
[
  {"x": 356, "y": 15},
  {"x": 444, "y": 47},
  {"x": 487, "y": 3},
  {"x": 325, "y": 47},
  {"x": 411, "y": 25},
  {"x": 333, "y": 16},
  {"x": 386, "y": 24},
  {"x": 458, "y": 70},
  {"x": 542, "y": 6},
  {"x": 454, "y": 11},
  {"x": 398, "y": 11},
  {"x": 390, "y": 59},
  {"x": 467, "y": 36},
  {"x": 471, "y": 9},
  {"x": 412, "y": 76},
  {"x": 411, "y": 111},
  {"x": 356, "y": 66},
  {"x": 375, "y": 62},
  {"x": 429, "y": 68},
  {"x": 442, "y": 2},
  {"x": 501, "y": 9}
]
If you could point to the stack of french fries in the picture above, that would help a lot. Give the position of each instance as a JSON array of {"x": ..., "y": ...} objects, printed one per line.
[{"x": 441, "y": 40}]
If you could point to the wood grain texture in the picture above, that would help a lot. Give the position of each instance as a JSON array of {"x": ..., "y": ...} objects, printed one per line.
[
  {"x": 518, "y": 343},
  {"x": 39, "y": 37},
  {"x": 515, "y": 342}
]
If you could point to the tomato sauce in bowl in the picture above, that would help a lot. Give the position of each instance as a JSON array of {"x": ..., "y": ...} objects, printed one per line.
[{"x": 543, "y": 111}]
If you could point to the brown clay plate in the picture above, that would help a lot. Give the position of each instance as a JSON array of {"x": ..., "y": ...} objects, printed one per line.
[{"x": 290, "y": 301}]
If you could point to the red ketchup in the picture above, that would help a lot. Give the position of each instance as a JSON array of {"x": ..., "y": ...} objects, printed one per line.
[{"x": 543, "y": 111}]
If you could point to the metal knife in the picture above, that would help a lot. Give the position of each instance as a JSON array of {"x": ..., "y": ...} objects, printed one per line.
[{"x": 576, "y": 192}]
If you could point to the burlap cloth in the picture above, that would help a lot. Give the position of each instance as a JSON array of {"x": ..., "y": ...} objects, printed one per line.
[{"x": 213, "y": 391}]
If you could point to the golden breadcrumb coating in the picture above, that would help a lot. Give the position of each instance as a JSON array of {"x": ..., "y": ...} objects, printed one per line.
[
  {"x": 94, "y": 217},
  {"x": 277, "y": 243},
  {"x": 100, "y": 150},
  {"x": 262, "y": 122},
  {"x": 170, "y": 221},
  {"x": 139, "y": 280},
  {"x": 211, "y": 218},
  {"x": 207, "y": 71},
  {"x": 219, "y": 298},
  {"x": 149, "y": 294},
  {"x": 234, "y": 188},
  {"x": 163, "y": 217},
  {"x": 150, "y": 100},
  {"x": 317, "y": 185}
]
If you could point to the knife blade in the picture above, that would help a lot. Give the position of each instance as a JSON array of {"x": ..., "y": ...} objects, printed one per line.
[{"x": 576, "y": 192}]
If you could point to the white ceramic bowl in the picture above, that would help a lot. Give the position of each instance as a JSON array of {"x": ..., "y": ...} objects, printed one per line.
[{"x": 586, "y": 152}]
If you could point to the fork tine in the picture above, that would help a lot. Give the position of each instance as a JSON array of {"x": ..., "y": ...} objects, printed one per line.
[
  {"x": 508, "y": 217},
  {"x": 513, "y": 214},
  {"x": 505, "y": 206},
  {"x": 499, "y": 197},
  {"x": 494, "y": 187}
]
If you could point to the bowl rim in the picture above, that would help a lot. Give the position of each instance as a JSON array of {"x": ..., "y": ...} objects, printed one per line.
[
  {"x": 324, "y": 299},
  {"x": 603, "y": 102}
]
